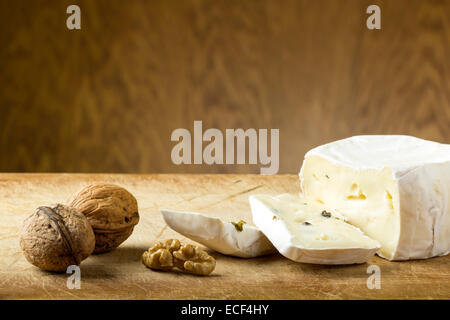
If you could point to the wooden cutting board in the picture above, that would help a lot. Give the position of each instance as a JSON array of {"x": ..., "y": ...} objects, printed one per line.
[{"x": 121, "y": 275}]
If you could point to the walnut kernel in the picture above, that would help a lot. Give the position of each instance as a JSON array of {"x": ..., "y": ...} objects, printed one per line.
[
  {"x": 194, "y": 260},
  {"x": 172, "y": 253},
  {"x": 160, "y": 255},
  {"x": 160, "y": 259}
]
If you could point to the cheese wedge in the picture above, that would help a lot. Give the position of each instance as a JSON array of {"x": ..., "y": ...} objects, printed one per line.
[
  {"x": 234, "y": 239},
  {"x": 304, "y": 231},
  {"x": 396, "y": 189}
]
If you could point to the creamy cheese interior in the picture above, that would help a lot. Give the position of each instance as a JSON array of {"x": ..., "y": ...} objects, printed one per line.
[
  {"x": 369, "y": 198},
  {"x": 313, "y": 227}
]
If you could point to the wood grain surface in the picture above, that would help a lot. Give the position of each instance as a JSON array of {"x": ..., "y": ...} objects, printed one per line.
[
  {"x": 121, "y": 275},
  {"x": 106, "y": 98}
]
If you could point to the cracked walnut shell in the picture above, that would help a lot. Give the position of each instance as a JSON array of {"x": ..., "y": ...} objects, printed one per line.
[
  {"x": 112, "y": 212},
  {"x": 172, "y": 253},
  {"x": 56, "y": 237}
]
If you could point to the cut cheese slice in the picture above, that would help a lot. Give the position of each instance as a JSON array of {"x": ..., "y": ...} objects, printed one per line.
[
  {"x": 234, "y": 239},
  {"x": 396, "y": 189},
  {"x": 305, "y": 232}
]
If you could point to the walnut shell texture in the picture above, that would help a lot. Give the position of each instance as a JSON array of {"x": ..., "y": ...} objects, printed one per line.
[
  {"x": 112, "y": 212},
  {"x": 56, "y": 237}
]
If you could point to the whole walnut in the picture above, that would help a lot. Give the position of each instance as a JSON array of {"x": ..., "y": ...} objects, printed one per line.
[
  {"x": 56, "y": 237},
  {"x": 112, "y": 212}
]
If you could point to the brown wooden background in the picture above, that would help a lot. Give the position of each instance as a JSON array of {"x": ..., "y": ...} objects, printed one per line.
[{"x": 106, "y": 98}]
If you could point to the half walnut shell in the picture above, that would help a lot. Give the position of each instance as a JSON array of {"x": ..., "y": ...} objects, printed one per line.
[{"x": 112, "y": 212}]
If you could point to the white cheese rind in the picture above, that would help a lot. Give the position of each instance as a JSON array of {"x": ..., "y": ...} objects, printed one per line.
[
  {"x": 399, "y": 152},
  {"x": 275, "y": 217},
  {"x": 218, "y": 235},
  {"x": 419, "y": 186}
]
